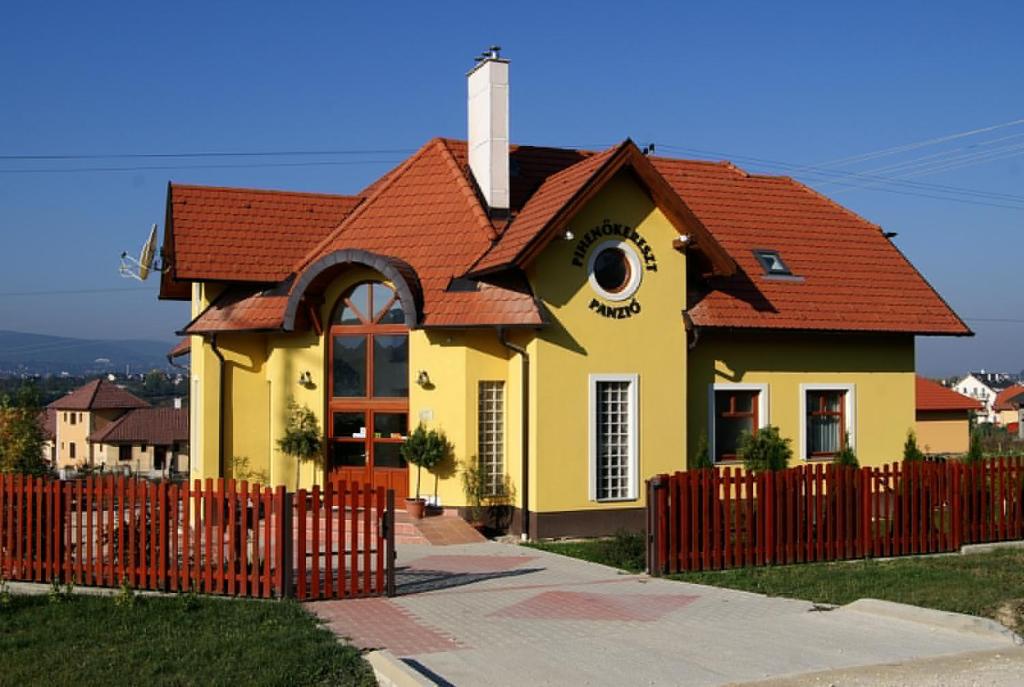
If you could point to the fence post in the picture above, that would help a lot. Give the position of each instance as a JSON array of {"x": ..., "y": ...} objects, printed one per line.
[
  {"x": 287, "y": 537},
  {"x": 389, "y": 545},
  {"x": 654, "y": 563}
]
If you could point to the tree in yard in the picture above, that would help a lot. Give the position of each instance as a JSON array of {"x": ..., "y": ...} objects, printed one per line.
[
  {"x": 21, "y": 434},
  {"x": 974, "y": 452},
  {"x": 302, "y": 438},
  {"x": 911, "y": 452},
  {"x": 424, "y": 448},
  {"x": 764, "y": 450}
]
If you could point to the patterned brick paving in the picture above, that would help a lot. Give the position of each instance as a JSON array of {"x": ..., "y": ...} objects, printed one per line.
[
  {"x": 381, "y": 623},
  {"x": 493, "y": 617},
  {"x": 565, "y": 605}
]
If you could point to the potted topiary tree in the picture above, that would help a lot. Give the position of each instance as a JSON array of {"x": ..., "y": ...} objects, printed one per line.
[
  {"x": 423, "y": 448},
  {"x": 302, "y": 438}
]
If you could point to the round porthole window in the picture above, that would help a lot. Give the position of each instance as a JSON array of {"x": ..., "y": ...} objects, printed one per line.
[{"x": 614, "y": 270}]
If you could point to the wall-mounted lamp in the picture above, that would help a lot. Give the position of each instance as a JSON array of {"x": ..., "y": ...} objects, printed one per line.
[
  {"x": 423, "y": 379},
  {"x": 305, "y": 379},
  {"x": 568, "y": 235}
]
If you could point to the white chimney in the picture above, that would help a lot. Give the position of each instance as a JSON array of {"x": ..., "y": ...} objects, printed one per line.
[{"x": 488, "y": 128}]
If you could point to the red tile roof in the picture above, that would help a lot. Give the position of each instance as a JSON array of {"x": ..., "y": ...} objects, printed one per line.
[
  {"x": 183, "y": 347},
  {"x": 426, "y": 212},
  {"x": 240, "y": 308},
  {"x": 1009, "y": 398},
  {"x": 98, "y": 394},
  {"x": 232, "y": 234},
  {"x": 932, "y": 396},
  {"x": 849, "y": 276},
  {"x": 428, "y": 215},
  {"x": 157, "y": 426}
]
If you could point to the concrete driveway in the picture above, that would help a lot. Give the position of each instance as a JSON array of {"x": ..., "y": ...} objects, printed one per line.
[{"x": 492, "y": 614}]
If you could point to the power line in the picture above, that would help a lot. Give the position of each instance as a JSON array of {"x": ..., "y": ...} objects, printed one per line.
[
  {"x": 908, "y": 188},
  {"x": 894, "y": 150},
  {"x": 211, "y": 153},
  {"x": 72, "y": 292},
  {"x": 140, "y": 168}
]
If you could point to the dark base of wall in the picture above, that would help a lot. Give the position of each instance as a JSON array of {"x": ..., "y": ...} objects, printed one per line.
[{"x": 579, "y": 523}]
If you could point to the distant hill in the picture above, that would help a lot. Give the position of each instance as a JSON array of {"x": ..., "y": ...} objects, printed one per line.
[{"x": 24, "y": 353}]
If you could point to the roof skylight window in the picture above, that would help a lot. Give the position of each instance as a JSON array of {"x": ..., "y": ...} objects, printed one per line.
[{"x": 772, "y": 263}]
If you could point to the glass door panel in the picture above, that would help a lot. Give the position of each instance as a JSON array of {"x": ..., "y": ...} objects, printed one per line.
[
  {"x": 349, "y": 366},
  {"x": 391, "y": 365}
]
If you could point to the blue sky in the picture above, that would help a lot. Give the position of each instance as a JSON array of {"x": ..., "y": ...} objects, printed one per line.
[{"x": 795, "y": 83}]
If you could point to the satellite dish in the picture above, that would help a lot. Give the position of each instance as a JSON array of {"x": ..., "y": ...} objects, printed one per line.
[{"x": 140, "y": 269}]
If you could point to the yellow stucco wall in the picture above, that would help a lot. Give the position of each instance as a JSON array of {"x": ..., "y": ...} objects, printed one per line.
[
  {"x": 456, "y": 362},
  {"x": 943, "y": 432},
  {"x": 580, "y": 341},
  {"x": 880, "y": 369}
]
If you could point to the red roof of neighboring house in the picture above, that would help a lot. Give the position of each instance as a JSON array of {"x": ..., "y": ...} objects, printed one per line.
[
  {"x": 1009, "y": 398},
  {"x": 426, "y": 213},
  {"x": 157, "y": 426},
  {"x": 932, "y": 396},
  {"x": 98, "y": 394}
]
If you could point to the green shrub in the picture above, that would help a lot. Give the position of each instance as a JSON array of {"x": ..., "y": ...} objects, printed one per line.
[
  {"x": 911, "y": 453},
  {"x": 846, "y": 456},
  {"x": 703, "y": 459},
  {"x": 764, "y": 450}
]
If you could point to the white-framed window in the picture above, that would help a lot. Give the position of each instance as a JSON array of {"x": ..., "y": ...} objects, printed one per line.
[
  {"x": 734, "y": 408},
  {"x": 613, "y": 441},
  {"x": 491, "y": 435},
  {"x": 827, "y": 419}
]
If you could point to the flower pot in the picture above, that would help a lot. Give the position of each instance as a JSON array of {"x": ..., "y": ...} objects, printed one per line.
[{"x": 415, "y": 507}]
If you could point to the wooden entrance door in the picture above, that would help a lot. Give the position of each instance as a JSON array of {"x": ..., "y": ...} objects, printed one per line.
[{"x": 368, "y": 403}]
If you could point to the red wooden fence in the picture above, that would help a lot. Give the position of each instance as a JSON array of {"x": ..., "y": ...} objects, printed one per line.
[
  {"x": 216, "y": 537},
  {"x": 720, "y": 518}
]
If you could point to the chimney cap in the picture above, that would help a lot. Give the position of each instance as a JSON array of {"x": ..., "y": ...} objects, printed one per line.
[{"x": 492, "y": 54}]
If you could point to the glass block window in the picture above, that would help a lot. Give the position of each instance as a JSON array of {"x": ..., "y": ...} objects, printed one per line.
[
  {"x": 491, "y": 435},
  {"x": 614, "y": 441}
]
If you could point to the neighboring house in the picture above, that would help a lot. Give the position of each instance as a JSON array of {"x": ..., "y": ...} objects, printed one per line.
[
  {"x": 943, "y": 418},
  {"x": 1007, "y": 407},
  {"x": 575, "y": 321},
  {"x": 149, "y": 441},
  {"x": 97, "y": 425},
  {"x": 985, "y": 386}
]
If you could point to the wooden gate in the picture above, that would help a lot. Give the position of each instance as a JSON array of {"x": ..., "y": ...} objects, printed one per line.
[{"x": 214, "y": 537}]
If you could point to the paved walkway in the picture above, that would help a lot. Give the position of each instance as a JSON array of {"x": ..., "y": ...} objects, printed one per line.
[{"x": 492, "y": 614}]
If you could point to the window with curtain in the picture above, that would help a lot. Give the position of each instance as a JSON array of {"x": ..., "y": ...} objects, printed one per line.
[{"x": 826, "y": 422}]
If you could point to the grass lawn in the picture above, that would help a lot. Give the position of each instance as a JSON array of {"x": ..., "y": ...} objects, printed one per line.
[
  {"x": 187, "y": 640},
  {"x": 987, "y": 584}
]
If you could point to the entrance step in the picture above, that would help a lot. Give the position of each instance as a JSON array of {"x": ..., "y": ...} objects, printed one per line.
[{"x": 435, "y": 530}]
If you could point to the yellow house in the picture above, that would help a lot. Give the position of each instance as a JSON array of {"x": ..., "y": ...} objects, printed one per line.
[{"x": 573, "y": 321}]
